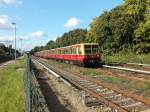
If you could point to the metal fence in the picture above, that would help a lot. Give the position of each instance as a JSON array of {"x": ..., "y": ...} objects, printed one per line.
[{"x": 35, "y": 101}]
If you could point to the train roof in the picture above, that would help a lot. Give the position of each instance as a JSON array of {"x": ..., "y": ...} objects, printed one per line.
[{"x": 72, "y": 46}]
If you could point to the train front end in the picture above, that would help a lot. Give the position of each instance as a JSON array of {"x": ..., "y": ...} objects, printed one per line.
[{"x": 91, "y": 55}]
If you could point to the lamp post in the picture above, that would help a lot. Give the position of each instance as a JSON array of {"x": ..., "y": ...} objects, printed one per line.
[{"x": 13, "y": 23}]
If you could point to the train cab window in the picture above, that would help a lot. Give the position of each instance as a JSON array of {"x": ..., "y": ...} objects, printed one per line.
[
  {"x": 94, "y": 49},
  {"x": 88, "y": 49}
]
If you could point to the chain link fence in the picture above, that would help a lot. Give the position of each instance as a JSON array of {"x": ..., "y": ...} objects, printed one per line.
[{"x": 35, "y": 101}]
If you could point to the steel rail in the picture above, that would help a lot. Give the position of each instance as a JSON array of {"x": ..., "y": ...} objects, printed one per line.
[
  {"x": 140, "y": 64},
  {"x": 126, "y": 69}
]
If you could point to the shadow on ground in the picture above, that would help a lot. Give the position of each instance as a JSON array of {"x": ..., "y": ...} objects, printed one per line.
[{"x": 52, "y": 101}]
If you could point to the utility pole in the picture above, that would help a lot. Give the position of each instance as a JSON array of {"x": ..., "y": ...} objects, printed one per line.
[{"x": 13, "y": 23}]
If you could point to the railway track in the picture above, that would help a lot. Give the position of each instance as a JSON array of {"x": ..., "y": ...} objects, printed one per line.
[
  {"x": 4, "y": 63},
  {"x": 114, "y": 100}
]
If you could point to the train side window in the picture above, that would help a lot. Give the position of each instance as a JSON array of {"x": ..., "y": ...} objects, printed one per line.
[
  {"x": 68, "y": 50},
  {"x": 79, "y": 50},
  {"x": 65, "y": 51},
  {"x": 74, "y": 51}
]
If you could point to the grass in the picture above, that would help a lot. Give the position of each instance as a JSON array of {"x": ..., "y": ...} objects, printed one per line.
[
  {"x": 12, "y": 87},
  {"x": 129, "y": 57}
]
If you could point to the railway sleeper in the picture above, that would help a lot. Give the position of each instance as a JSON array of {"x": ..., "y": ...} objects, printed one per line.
[
  {"x": 107, "y": 109},
  {"x": 118, "y": 97},
  {"x": 131, "y": 105},
  {"x": 107, "y": 92},
  {"x": 90, "y": 101},
  {"x": 110, "y": 96},
  {"x": 85, "y": 82},
  {"x": 94, "y": 88},
  {"x": 125, "y": 103},
  {"x": 103, "y": 92},
  {"x": 139, "y": 108},
  {"x": 98, "y": 91},
  {"x": 123, "y": 100}
]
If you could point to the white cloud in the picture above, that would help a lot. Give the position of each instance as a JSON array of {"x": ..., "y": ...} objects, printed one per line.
[
  {"x": 72, "y": 22},
  {"x": 29, "y": 40},
  {"x": 11, "y": 2},
  {"x": 38, "y": 34},
  {"x": 7, "y": 38},
  {"x": 5, "y": 23},
  {"x": 23, "y": 37}
]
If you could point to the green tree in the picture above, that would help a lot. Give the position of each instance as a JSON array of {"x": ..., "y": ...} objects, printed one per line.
[
  {"x": 142, "y": 33},
  {"x": 50, "y": 45},
  {"x": 114, "y": 30}
]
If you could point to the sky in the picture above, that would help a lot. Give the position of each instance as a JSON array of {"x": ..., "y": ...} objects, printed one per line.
[{"x": 38, "y": 21}]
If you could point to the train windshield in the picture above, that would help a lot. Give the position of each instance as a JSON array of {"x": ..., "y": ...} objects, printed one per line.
[
  {"x": 91, "y": 49},
  {"x": 94, "y": 49}
]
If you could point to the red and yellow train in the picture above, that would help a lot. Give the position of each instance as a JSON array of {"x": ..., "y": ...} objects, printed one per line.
[{"x": 82, "y": 54}]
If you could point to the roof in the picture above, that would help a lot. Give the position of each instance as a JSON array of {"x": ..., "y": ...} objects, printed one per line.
[
  {"x": 76, "y": 45},
  {"x": 72, "y": 46}
]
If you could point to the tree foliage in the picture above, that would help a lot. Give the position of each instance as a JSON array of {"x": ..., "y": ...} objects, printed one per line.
[
  {"x": 142, "y": 33},
  {"x": 6, "y": 52},
  {"x": 72, "y": 37},
  {"x": 126, "y": 27},
  {"x": 113, "y": 30}
]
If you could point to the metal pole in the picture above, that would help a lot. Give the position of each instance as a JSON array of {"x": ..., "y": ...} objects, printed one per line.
[
  {"x": 15, "y": 39},
  {"x": 15, "y": 42}
]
